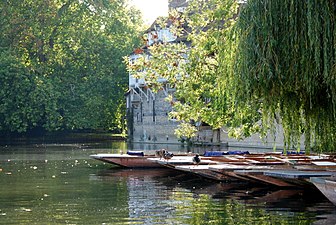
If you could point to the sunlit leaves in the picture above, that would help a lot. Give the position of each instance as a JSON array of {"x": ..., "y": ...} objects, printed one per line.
[
  {"x": 185, "y": 131},
  {"x": 193, "y": 65},
  {"x": 71, "y": 54},
  {"x": 253, "y": 66}
]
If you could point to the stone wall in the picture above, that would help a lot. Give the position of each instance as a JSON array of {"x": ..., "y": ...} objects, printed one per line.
[
  {"x": 151, "y": 124},
  {"x": 255, "y": 141},
  {"x": 150, "y": 119}
]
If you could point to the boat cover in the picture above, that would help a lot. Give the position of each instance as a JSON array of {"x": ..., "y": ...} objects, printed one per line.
[
  {"x": 293, "y": 152},
  {"x": 136, "y": 153},
  {"x": 220, "y": 153}
]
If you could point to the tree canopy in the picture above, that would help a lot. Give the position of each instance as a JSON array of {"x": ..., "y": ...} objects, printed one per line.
[
  {"x": 286, "y": 58},
  {"x": 61, "y": 63},
  {"x": 251, "y": 66}
]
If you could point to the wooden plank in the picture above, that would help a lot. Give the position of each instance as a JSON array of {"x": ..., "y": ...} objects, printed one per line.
[
  {"x": 296, "y": 174},
  {"x": 258, "y": 175},
  {"x": 250, "y": 172},
  {"x": 203, "y": 171},
  {"x": 289, "y": 161},
  {"x": 192, "y": 167},
  {"x": 327, "y": 186},
  {"x": 324, "y": 163},
  {"x": 271, "y": 180}
]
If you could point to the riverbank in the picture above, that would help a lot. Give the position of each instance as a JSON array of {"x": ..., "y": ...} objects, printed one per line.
[{"x": 59, "y": 137}]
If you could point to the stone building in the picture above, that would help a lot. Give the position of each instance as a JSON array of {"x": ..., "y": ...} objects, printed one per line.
[{"x": 147, "y": 112}]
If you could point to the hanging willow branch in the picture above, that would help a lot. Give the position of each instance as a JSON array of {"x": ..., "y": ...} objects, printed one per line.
[{"x": 286, "y": 58}]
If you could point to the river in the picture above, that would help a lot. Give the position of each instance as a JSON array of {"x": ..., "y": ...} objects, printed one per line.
[{"x": 58, "y": 183}]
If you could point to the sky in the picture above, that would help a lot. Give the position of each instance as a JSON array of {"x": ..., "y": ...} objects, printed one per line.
[{"x": 151, "y": 9}]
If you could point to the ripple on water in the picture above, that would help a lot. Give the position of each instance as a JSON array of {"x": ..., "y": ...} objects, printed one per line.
[{"x": 81, "y": 194}]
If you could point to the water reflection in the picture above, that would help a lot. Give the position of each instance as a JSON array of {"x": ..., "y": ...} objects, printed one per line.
[
  {"x": 170, "y": 197},
  {"x": 60, "y": 184}
]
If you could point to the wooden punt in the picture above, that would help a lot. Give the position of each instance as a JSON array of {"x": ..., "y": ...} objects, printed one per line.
[
  {"x": 128, "y": 161},
  {"x": 215, "y": 171},
  {"x": 258, "y": 176},
  {"x": 186, "y": 164},
  {"x": 137, "y": 159},
  {"x": 182, "y": 160},
  {"x": 327, "y": 185},
  {"x": 297, "y": 177},
  {"x": 270, "y": 169},
  {"x": 205, "y": 172},
  {"x": 228, "y": 170},
  {"x": 318, "y": 165}
]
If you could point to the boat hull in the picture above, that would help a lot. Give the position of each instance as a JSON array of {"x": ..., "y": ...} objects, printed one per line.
[
  {"x": 127, "y": 161},
  {"x": 327, "y": 185}
]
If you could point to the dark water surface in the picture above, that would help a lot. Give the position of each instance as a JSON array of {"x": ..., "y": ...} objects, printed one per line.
[{"x": 60, "y": 184}]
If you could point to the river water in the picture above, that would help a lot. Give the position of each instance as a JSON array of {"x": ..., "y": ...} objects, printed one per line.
[{"x": 60, "y": 184}]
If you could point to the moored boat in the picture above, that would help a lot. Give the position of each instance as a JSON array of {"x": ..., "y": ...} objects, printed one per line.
[
  {"x": 133, "y": 159},
  {"x": 269, "y": 168},
  {"x": 327, "y": 185}
]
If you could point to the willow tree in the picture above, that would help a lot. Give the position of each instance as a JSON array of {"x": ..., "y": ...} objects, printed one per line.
[{"x": 286, "y": 59}]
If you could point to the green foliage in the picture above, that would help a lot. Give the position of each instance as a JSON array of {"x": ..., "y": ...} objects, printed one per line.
[
  {"x": 252, "y": 66},
  {"x": 286, "y": 58},
  {"x": 62, "y": 63},
  {"x": 202, "y": 72},
  {"x": 17, "y": 93},
  {"x": 185, "y": 131}
]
